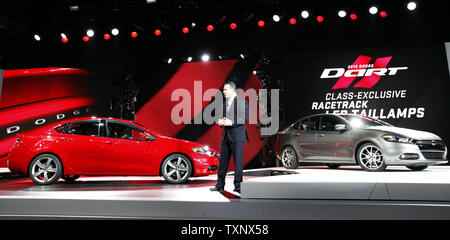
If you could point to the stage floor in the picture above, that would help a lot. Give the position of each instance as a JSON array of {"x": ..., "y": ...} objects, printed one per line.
[{"x": 153, "y": 198}]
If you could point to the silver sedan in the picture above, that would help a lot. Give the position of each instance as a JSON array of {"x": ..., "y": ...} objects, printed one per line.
[{"x": 355, "y": 139}]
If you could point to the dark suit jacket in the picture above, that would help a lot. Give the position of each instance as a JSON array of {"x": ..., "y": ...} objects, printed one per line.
[{"x": 239, "y": 116}]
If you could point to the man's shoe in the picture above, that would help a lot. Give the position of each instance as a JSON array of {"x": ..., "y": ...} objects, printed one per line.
[
  {"x": 218, "y": 189},
  {"x": 238, "y": 190}
]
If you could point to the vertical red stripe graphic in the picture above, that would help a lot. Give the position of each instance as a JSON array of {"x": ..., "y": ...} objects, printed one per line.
[
  {"x": 343, "y": 81},
  {"x": 370, "y": 81}
]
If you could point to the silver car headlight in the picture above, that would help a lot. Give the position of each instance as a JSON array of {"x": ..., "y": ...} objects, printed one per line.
[
  {"x": 397, "y": 138},
  {"x": 205, "y": 150}
]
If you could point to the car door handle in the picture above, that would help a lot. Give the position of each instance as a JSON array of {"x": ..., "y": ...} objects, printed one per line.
[
  {"x": 109, "y": 142},
  {"x": 66, "y": 139},
  {"x": 321, "y": 135}
]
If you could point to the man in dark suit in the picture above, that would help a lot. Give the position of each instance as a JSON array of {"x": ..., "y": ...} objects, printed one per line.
[{"x": 235, "y": 115}]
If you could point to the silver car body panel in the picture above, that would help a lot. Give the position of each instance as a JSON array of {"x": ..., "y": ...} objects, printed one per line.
[{"x": 340, "y": 147}]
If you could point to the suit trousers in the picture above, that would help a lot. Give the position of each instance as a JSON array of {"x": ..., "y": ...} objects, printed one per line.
[{"x": 237, "y": 150}]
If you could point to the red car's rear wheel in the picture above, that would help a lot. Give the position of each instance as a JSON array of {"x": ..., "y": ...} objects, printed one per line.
[{"x": 45, "y": 169}]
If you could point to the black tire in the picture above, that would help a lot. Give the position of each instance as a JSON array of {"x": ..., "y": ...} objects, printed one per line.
[
  {"x": 45, "y": 169},
  {"x": 417, "y": 168},
  {"x": 334, "y": 165},
  {"x": 289, "y": 158},
  {"x": 370, "y": 163},
  {"x": 70, "y": 178},
  {"x": 176, "y": 168}
]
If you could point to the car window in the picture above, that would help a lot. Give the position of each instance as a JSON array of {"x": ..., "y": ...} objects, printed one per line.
[
  {"x": 88, "y": 128},
  {"x": 310, "y": 124},
  {"x": 328, "y": 122},
  {"x": 60, "y": 128},
  {"x": 124, "y": 131}
]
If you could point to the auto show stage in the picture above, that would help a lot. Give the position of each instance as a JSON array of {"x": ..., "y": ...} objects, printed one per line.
[{"x": 271, "y": 193}]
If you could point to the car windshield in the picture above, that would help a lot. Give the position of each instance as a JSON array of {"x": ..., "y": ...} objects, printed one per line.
[{"x": 358, "y": 121}]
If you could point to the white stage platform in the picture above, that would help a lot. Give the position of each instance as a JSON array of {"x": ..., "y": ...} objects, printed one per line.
[
  {"x": 315, "y": 193},
  {"x": 352, "y": 183}
]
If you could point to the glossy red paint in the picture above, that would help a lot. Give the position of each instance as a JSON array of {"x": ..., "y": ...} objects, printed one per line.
[{"x": 101, "y": 155}]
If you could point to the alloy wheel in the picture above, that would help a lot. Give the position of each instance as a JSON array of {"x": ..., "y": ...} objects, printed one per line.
[
  {"x": 371, "y": 157},
  {"x": 287, "y": 158},
  {"x": 45, "y": 169},
  {"x": 177, "y": 169}
]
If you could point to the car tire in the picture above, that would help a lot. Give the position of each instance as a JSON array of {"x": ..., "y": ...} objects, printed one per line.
[
  {"x": 289, "y": 158},
  {"x": 70, "y": 178},
  {"x": 417, "y": 168},
  {"x": 333, "y": 165},
  {"x": 176, "y": 168},
  {"x": 45, "y": 169},
  {"x": 370, "y": 158}
]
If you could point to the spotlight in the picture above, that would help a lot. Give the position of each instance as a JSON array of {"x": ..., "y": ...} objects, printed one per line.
[
  {"x": 320, "y": 19},
  {"x": 383, "y": 14},
  {"x": 411, "y": 6},
  {"x": 185, "y": 30},
  {"x": 276, "y": 18},
  {"x": 115, "y": 31},
  {"x": 261, "y": 23},
  {"x": 242, "y": 56},
  {"x": 74, "y": 8},
  {"x": 134, "y": 34},
  {"x": 233, "y": 26},
  {"x": 85, "y": 38},
  {"x": 106, "y": 36},
  {"x": 169, "y": 61},
  {"x": 90, "y": 33},
  {"x": 220, "y": 57},
  {"x": 305, "y": 14},
  {"x": 150, "y": 1},
  {"x": 373, "y": 10},
  {"x": 210, "y": 28},
  {"x": 63, "y": 35},
  {"x": 205, "y": 57},
  {"x": 342, "y": 14},
  {"x": 157, "y": 32},
  {"x": 189, "y": 59},
  {"x": 37, "y": 37},
  {"x": 353, "y": 16},
  {"x": 193, "y": 24},
  {"x": 292, "y": 21}
]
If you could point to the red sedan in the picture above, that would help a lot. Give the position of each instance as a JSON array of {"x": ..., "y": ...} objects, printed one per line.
[{"x": 107, "y": 146}]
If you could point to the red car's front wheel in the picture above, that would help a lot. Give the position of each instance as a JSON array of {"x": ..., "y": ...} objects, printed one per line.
[
  {"x": 176, "y": 168},
  {"x": 45, "y": 169}
]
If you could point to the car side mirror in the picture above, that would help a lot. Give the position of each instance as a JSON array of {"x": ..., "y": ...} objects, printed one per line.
[
  {"x": 340, "y": 127},
  {"x": 144, "y": 136}
]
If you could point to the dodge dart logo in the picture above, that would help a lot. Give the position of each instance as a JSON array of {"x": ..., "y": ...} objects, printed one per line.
[{"x": 370, "y": 73}]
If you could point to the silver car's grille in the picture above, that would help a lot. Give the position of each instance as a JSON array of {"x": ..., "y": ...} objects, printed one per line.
[
  {"x": 434, "y": 155},
  {"x": 430, "y": 145}
]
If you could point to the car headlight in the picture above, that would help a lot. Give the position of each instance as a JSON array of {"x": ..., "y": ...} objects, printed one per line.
[
  {"x": 204, "y": 150},
  {"x": 397, "y": 138}
]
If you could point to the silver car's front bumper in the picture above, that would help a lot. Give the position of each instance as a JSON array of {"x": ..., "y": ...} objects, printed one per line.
[{"x": 393, "y": 151}]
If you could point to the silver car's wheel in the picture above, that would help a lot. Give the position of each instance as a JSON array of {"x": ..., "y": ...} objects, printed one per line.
[
  {"x": 289, "y": 158},
  {"x": 370, "y": 158},
  {"x": 45, "y": 169},
  {"x": 176, "y": 168}
]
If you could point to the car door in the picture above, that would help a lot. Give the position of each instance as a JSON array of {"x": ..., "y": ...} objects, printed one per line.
[
  {"x": 127, "y": 150},
  {"x": 332, "y": 144},
  {"x": 304, "y": 138},
  {"x": 82, "y": 147}
]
